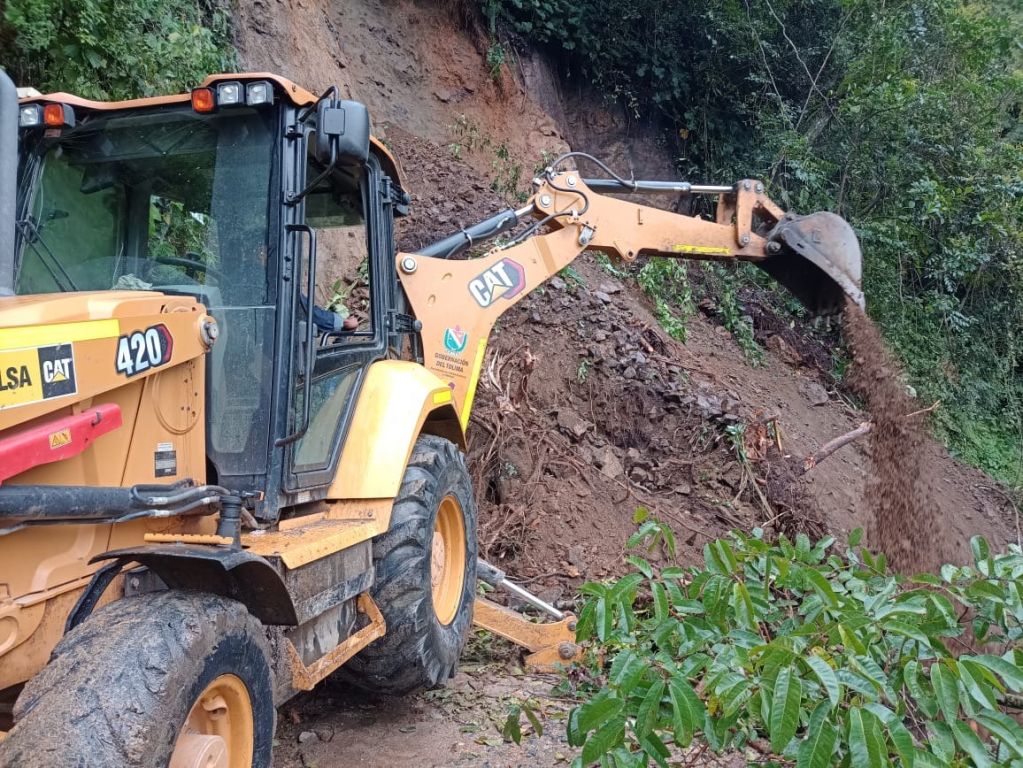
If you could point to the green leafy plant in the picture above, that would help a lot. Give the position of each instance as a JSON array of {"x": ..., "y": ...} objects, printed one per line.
[
  {"x": 512, "y": 728},
  {"x": 604, "y": 261},
  {"x": 583, "y": 372},
  {"x": 572, "y": 278},
  {"x": 667, "y": 284},
  {"x": 496, "y": 57},
  {"x": 792, "y": 653},
  {"x": 506, "y": 174},
  {"x": 723, "y": 284},
  {"x": 736, "y": 434}
]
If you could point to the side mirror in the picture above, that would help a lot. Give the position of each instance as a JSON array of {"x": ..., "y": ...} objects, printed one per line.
[{"x": 342, "y": 132}]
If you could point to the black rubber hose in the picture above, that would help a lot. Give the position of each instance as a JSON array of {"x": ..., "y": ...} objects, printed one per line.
[
  {"x": 75, "y": 502},
  {"x": 461, "y": 241}
]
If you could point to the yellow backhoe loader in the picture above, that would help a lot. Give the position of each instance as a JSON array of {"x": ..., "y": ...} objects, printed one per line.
[{"x": 217, "y": 489}]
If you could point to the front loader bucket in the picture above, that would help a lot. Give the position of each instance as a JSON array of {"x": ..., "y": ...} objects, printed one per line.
[{"x": 817, "y": 257}]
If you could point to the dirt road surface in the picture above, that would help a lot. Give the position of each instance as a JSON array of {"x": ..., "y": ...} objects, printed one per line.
[{"x": 459, "y": 725}]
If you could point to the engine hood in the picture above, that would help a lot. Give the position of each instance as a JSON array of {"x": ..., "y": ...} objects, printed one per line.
[
  {"x": 61, "y": 348},
  {"x": 52, "y": 308}
]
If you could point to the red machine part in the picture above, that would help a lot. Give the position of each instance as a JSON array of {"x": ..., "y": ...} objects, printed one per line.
[{"x": 55, "y": 440}]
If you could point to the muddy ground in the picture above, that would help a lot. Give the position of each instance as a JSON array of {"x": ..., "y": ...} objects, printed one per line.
[{"x": 586, "y": 409}]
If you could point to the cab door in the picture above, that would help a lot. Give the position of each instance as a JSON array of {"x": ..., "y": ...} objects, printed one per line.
[{"x": 343, "y": 226}]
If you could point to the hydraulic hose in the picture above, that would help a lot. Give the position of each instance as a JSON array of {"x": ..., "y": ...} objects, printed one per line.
[
  {"x": 488, "y": 229},
  {"x": 48, "y": 503}
]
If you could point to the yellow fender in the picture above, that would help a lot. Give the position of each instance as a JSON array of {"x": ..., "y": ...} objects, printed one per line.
[{"x": 399, "y": 400}]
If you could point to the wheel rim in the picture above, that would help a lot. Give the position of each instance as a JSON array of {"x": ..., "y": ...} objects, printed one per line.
[
  {"x": 447, "y": 561},
  {"x": 218, "y": 732}
]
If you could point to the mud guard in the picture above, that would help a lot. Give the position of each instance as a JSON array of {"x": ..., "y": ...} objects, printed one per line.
[
  {"x": 398, "y": 401},
  {"x": 231, "y": 573}
]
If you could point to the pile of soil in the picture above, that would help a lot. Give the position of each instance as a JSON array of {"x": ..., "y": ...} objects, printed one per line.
[{"x": 900, "y": 489}]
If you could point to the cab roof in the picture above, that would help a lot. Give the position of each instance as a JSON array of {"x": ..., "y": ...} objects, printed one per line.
[{"x": 296, "y": 95}]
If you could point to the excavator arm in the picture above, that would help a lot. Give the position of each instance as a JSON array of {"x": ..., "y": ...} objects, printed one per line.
[{"x": 457, "y": 301}]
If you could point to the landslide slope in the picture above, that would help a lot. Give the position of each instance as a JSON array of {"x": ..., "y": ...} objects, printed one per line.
[{"x": 587, "y": 410}]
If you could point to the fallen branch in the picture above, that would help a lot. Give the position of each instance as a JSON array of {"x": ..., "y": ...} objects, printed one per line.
[{"x": 831, "y": 446}]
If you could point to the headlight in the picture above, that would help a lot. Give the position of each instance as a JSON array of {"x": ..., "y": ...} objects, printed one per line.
[
  {"x": 259, "y": 93},
  {"x": 230, "y": 94},
  {"x": 30, "y": 116}
]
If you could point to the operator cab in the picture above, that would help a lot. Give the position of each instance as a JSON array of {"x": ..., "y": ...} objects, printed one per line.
[{"x": 226, "y": 196}]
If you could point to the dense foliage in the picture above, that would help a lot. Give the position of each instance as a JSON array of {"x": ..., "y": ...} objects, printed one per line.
[
  {"x": 795, "y": 654},
  {"x": 114, "y": 49},
  {"x": 903, "y": 117}
]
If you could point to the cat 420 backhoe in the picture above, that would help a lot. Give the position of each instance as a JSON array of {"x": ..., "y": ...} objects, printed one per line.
[{"x": 214, "y": 492}]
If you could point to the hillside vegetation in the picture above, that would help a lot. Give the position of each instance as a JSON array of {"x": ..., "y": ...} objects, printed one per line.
[{"x": 903, "y": 117}]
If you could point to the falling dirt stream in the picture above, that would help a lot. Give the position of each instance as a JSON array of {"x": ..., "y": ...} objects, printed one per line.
[{"x": 900, "y": 487}]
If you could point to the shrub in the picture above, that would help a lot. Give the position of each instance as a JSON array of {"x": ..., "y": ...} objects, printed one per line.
[{"x": 795, "y": 654}]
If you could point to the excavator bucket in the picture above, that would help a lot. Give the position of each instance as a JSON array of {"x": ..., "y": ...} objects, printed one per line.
[{"x": 817, "y": 257}]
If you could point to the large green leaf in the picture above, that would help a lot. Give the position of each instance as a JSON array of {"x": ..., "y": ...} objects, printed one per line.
[
  {"x": 626, "y": 671},
  {"x": 646, "y": 717},
  {"x": 816, "y": 749},
  {"x": 919, "y": 689},
  {"x": 984, "y": 590},
  {"x": 821, "y": 586},
  {"x": 947, "y": 691},
  {"x": 823, "y": 671},
  {"x": 603, "y": 740},
  {"x": 592, "y": 714},
  {"x": 940, "y": 740},
  {"x": 922, "y": 759},
  {"x": 655, "y": 748},
  {"x": 745, "y": 614},
  {"x": 817, "y": 746},
  {"x": 688, "y": 711},
  {"x": 972, "y": 675},
  {"x": 714, "y": 598},
  {"x": 788, "y": 691},
  {"x": 1010, "y": 674},
  {"x": 850, "y": 638},
  {"x": 871, "y": 670},
  {"x": 1005, "y": 728},
  {"x": 982, "y": 555},
  {"x": 603, "y": 618},
  {"x": 907, "y": 630},
  {"x": 971, "y": 744},
  {"x": 866, "y": 744},
  {"x": 660, "y": 596}
]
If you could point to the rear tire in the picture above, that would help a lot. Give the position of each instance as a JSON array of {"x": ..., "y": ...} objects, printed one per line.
[
  {"x": 120, "y": 687},
  {"x": 424, "y": 590}
]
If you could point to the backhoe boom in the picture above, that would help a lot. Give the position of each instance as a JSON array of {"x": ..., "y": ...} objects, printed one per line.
[{"x": 458, "y": 301}]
